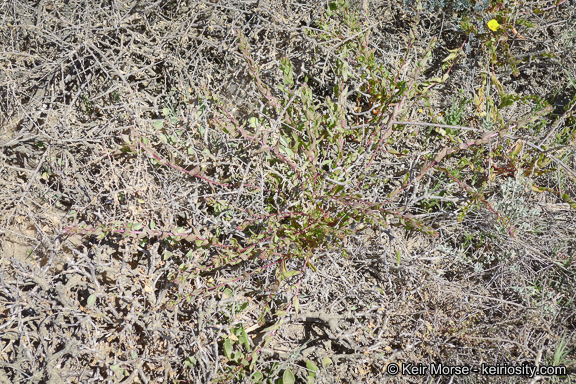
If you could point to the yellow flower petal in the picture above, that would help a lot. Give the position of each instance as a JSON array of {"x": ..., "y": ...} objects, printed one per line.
[{"x": 493, "y": 25}]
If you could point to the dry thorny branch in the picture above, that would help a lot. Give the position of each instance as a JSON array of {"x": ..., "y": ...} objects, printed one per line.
[{"x": 114, "y": 119}]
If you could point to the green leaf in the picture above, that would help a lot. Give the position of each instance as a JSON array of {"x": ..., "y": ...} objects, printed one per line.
[
  {"x": 228, "y": 348},
  {"x": 311, "y": 366},
  {"x": 288, "y": 377},
  {"x": 91, "y": 300},
  {"x": 506, "y": 100},
  {"x": 286, "y": 67},
  {"x": 115, "y": 367},
  {"x": 254, "y": 360},
  {"x": 227, "y": 293},
  {"x": 312, "y": 369},
  {"x": 165, "y": 111},
  {"x": 244, "y": 337},
  {"x": 288, "y": 274},
  {"x": 190, "y": 362},
  {"x": 326, "y": 362},
  {"x": 450, "y": 57},
  {"x": 158, "y": 124},
  {"x": 286, "y": 151},
  {"x": 152, "y": 224},
  {"x": 257, "y": 377},
  {"x": 253, "y": 122}
]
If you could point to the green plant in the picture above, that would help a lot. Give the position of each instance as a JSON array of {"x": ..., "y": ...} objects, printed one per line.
[
  {"x": 560, "y": 353},
  {"x": 560, "y": 358},
  {"x": 456, "y": 113},
  {"x": 514, "y": 206}
]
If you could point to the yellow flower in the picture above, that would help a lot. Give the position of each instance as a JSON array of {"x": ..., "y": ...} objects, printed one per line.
[{"x": 493, "y": 25}]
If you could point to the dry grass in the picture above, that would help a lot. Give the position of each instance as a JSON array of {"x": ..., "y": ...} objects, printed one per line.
[{"x": 159, "y": 223}]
